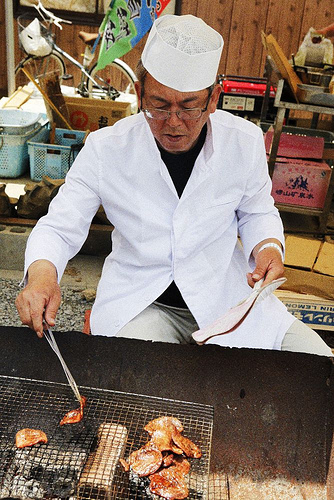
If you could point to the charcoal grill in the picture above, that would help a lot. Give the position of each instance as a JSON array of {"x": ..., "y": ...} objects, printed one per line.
[{"x": 59, "y": 469}]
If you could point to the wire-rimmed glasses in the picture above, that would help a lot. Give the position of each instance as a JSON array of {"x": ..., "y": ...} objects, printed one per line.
[{"x": 182, "y": 114}]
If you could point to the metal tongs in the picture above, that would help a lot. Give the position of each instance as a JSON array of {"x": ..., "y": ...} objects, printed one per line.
[{"x": 50, "y": 338}]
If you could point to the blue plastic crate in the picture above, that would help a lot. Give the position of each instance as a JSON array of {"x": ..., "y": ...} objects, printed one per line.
[
  {"x": 14, "y": 156},
  {"x": 54, "y": 160}
]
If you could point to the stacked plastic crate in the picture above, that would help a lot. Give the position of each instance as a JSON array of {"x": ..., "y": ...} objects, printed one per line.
[{"x": 17, "y": 127}]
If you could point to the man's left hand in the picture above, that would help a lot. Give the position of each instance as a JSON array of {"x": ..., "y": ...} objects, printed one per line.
[{"x": 269, "y": 266}]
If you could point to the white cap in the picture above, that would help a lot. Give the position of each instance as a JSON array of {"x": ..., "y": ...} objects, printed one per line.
[{"x": 183, "y": 52}]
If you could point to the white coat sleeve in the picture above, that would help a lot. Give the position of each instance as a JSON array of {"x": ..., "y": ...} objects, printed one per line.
[
  {"x": 258, "y": 218},
  {"x": 59, "y": 235}
]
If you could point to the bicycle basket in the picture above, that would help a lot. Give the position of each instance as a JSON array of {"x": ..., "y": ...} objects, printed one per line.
[{"x": 34, "y": 37}]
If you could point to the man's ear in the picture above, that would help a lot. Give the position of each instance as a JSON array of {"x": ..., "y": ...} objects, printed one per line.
[
  {"x": 138, "y": 92},
  {"x": 214, "y": 98}
]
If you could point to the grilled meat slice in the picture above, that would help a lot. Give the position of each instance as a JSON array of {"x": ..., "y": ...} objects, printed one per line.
[
  {"x": 163, "y": 422},
  {"x": 187, "y": 446},
  {"x": 168, "y": 459},
  {"x": 181, "y": 464},
  {"x": 163, "y": 441},
  {"x": 146, "y": 460},
  {"x": 169, "y": 483},
  {"x": 29, "y": 437},
  {"x": 74, "y": 416},
  {"x": 161, "y": 430},
  {"x": 161, "y": 459}
]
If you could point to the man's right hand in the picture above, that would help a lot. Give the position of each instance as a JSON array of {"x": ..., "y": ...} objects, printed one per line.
[{"x": 40, "y": 298}]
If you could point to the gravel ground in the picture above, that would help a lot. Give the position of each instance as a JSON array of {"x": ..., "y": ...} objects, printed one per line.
[{"x": 70, "y": 315}]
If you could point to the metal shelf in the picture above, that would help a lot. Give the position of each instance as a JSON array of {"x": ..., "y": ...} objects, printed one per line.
[{"x": 283, "y": 106}]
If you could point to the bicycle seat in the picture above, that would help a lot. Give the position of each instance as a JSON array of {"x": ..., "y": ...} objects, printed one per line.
[{"x": 88, "y": 38}]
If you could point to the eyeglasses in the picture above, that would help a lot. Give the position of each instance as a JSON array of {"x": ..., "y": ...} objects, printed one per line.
[{"x": 182, "y": 114}]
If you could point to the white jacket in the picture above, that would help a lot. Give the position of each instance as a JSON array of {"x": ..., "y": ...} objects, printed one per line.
[{"x": 159, "y": 237}]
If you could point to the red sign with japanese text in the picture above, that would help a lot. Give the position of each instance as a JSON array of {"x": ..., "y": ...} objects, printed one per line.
[{"x": 300, "y": 182}]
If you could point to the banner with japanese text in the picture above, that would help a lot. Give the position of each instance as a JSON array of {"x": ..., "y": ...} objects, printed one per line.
[{"x": 124, "y": 25}]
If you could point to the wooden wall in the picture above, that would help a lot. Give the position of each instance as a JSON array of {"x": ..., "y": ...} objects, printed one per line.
[{"x": 239, "y": 21}]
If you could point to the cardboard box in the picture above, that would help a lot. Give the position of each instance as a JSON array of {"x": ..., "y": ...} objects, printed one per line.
[
  {"x": 325, "y": 260},
  {"x": 92, "y": 114},
  {"x": 301, "y": 252},
  {"x": 296, "y": 146},
  {"x": 309, "y": 282},
  {"x": 314, "y": 311},
  {"x": 300, "y": 182}
]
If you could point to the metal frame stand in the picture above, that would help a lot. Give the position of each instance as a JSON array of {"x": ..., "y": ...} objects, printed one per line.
[{"x": 283, "y": 107}]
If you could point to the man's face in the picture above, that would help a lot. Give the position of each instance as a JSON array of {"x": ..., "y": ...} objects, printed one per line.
[{"x": 176, "y": 135}]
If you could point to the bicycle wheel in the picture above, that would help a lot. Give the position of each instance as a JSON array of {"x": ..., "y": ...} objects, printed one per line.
[
  {"x": 115, "y": 76},
  {"x": 38, "y": 67}
]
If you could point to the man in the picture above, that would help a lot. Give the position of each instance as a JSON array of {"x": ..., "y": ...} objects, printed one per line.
[{"x": 180, "y": 182}]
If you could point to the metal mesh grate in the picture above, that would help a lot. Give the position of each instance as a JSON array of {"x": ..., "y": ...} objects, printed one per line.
[{"x": 81, "y": 461}]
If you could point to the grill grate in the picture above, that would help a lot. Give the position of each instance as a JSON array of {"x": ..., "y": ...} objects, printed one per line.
[{"x": 80, "y": 461}]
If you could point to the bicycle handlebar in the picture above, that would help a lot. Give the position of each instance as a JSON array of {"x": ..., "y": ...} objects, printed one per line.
[{"x": 55, "y": 20}]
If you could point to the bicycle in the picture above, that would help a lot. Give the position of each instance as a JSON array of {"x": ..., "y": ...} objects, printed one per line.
[{"x": 43, "y": 55}]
